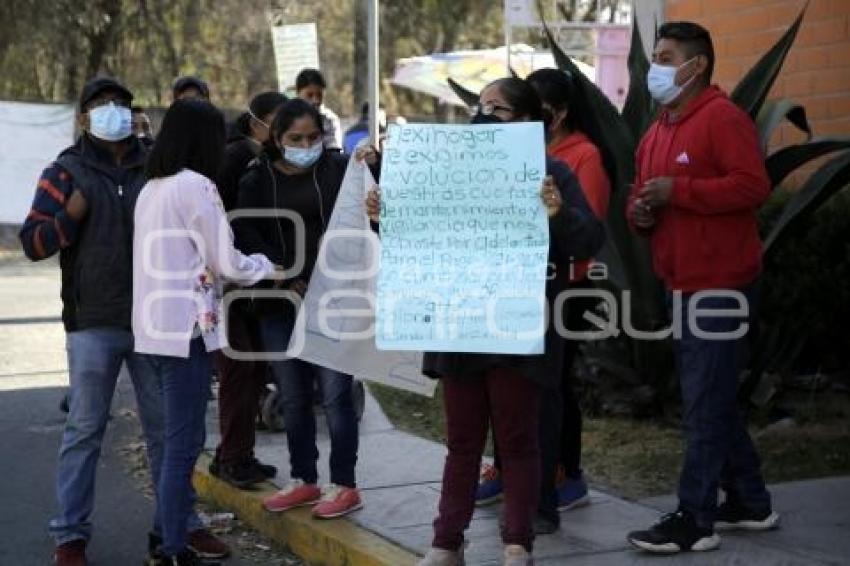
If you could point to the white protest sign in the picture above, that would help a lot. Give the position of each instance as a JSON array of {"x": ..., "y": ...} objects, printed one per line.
[
  {"x": 336, "y": 321},
  {"x": 464, "y": 239},
  {"x": 31, "y": 136},
  {"x": 296, "y": 47}
]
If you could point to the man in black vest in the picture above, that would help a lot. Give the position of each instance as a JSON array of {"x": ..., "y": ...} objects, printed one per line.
[{"x": 83, "y": 208}]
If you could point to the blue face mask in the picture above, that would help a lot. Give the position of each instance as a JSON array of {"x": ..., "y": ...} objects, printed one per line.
[
  {"x": 661, "y": 81},
  {"x": 303, "y": 157},
  {"x": 110, "y": 122}
]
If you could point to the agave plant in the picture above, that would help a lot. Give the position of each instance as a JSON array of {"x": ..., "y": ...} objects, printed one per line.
[{"x": 647, "y": 366}]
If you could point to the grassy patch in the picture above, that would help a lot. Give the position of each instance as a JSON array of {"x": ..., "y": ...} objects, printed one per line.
[
  {"x": 413, "y": 413},
  {"x": 641, "y": 458}
]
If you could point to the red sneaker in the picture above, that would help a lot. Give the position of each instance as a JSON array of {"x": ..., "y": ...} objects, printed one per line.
[
  {"x": 337, "y": 501},
  {"x": 295, "y": 494},
  {"x": 71, "y": 553}
]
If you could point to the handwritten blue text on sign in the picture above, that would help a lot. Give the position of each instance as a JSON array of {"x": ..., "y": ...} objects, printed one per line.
[{"x": 464, "y": 239}]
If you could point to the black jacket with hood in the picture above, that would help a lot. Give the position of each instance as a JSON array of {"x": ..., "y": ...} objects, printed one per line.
[
  {"x": 97, "y": 271},
  {"x": 266, "y": 188}
]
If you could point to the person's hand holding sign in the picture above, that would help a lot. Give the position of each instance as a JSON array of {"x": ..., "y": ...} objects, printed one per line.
[
  {"x": 551, "y": 196},
  {"x": 367, "y": 153},
  {"x": 373, "y": 204}
]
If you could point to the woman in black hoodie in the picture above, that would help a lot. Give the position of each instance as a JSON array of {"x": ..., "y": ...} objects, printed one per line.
[{"x": 298, "y": 181}]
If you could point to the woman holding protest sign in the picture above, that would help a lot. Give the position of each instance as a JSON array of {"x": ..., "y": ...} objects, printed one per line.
[
  {"x": 503, "y": 388},
  {"x": 297, "y": 182},
  {"x": 574, "y": 137}
]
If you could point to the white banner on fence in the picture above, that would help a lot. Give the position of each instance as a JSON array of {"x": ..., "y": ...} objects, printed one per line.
[
  {"x": 31, "y": 136},
  {"x": 296, "y": 47},
  {"x": 337, "y": 318},
  {"x": 521, "y": 13}
]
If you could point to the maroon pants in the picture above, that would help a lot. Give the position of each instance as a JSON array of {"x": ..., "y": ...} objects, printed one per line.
[
  {"x": 240, "y": 385},
  {"x": 511, "y": 401}
]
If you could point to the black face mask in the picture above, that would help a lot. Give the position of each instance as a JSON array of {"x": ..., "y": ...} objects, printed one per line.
[{"x": 480, "y": 118}]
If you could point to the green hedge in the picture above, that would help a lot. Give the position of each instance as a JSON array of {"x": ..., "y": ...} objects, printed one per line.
[{"x": 806, "y": 283}]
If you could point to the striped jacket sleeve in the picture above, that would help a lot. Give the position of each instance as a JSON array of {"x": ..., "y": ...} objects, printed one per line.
[{"x": 48, "y": 228}]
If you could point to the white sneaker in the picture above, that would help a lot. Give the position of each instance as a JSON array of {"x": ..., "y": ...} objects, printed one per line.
[
  {"x": 731, "y": 517},
  {"x": 442, "y": 557},
  {"x": 516, "y": 555}
]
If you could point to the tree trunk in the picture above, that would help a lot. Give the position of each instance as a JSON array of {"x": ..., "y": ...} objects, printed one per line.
[
  {"x": 71, "y": 90},
  {"x": 101, "y": 39}
]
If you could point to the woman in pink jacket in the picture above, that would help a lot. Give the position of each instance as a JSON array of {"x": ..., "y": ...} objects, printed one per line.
[{"x": 182, "y": 253}]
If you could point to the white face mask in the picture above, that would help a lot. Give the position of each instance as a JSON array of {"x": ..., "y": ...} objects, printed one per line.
[
  {"x": 303, "y": 157},
  {"x": 110, "y": 122},
  {"x": 661, "y": 81}
]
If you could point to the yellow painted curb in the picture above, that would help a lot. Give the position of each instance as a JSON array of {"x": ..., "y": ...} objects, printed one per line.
[{"x": 337, "y": 542}]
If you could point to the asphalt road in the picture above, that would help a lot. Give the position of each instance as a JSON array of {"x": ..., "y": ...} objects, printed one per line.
[
  {"x": 33, "y": 379},
  {"x": 30, "y": 429}
]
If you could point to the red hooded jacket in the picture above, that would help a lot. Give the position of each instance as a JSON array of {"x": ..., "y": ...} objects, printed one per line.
[
  {"x": 577, "y": 151},
  {"x": 707, "y": 236}
]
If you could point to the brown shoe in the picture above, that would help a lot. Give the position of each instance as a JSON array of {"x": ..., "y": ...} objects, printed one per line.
[
  {"x": 206, "y": 545},
  {"x": 71, "y": 553}
]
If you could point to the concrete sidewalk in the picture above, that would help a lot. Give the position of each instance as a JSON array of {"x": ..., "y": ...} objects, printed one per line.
[{"x": 399, "y": 476}]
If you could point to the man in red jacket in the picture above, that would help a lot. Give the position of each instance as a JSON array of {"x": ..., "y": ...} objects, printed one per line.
[{"x": 700, "y": 180}]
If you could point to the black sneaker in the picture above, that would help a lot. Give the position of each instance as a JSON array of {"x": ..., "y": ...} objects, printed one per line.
[
  {"x": 675, "y": 532},
  {"x": 155, "y": 555},
  {"x": 733, "y": 517},
  {"x": 240, "y": 476},
  {"x": 267, "y": 470},
  {"x": 545, "y": 525}
]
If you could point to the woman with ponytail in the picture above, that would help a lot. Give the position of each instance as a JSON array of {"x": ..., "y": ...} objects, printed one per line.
[
  {"x": 242, "y": 382},
  {"x": 251, "y": 131}
]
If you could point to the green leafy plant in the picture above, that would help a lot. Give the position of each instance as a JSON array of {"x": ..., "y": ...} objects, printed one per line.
[{"x": 648, "y": 365}]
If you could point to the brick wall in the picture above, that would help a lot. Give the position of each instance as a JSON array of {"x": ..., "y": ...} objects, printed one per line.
[{"x": 817, "y": 70}]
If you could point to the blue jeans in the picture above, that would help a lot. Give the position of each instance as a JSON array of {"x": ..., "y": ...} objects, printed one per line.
[
  {"x": 185, "y": 391},
  {"x": 719, "y": 452},
  {"x": 95, "y": 356},
  {"x": 297, "y": 380}
]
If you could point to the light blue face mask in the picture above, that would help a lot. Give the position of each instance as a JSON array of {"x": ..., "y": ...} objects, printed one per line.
[
  {"x": 661, "y": 81},
  {"x": 303, "y": 157},
  {"x": 110, "y": 122}
]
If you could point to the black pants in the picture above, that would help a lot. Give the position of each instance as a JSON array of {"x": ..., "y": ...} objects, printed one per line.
[
  {"x": 560, "y": 416},
  {"x": 719, "y": 451},
  {"x": 241, "y": 383}
]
